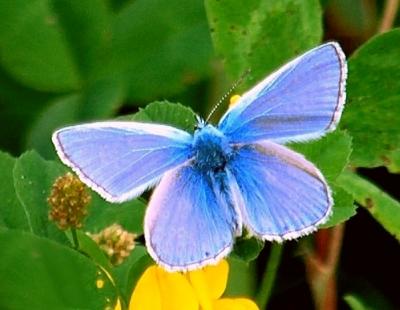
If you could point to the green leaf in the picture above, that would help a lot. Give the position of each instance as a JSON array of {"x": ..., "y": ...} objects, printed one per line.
[
  {"x": 33, "y": 47},
  {"x": 372, "y": 113},
  {"x": 103, "y": 214},
  {"x": 380, "y": 205},
  {"x": 262, "y": 35},
  {"x": 39, "y": 274},
  {"x": 343, "y": 208},
  {"x": 86, "y": 25},
  {"x": 247, "y": 249},
  {"x": 19, "y": 106},
  {"x": 331, "y": 155},
  {"x": 60, "y": 112},
  {"x": 99, "y": 100},
  {"x": 11, "y": 212},
  {"x": 33, "y": 179},
  {"x": 367, "y": 297},
  {"x": 102, "y": 98},
  {"x": 88, "y": 246},
  {"x": 167, "y": 113},
  {"x": 161, "y": 46},
  {"x": 355, "y": 303},
  {"x": 116, "y": 5}
]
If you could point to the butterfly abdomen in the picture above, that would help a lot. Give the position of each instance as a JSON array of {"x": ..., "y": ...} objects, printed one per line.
[{"x": 211, "y": 150}]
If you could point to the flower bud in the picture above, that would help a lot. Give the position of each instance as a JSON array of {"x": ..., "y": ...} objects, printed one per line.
[
  {"x": 116, "y": 242},
  {"x": 68, "y": 202}
]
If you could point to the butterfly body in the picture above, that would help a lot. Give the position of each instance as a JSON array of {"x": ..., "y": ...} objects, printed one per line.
[
  {"x": 211, "y": 149},
  {"x": 222, "y": 178}
]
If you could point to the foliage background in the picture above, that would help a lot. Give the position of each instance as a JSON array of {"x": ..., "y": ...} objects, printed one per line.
[{"x": 64, "y": 62}]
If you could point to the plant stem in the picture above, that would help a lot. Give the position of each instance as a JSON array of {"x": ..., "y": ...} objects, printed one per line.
[
  {"x": 75, "y": 238},
  {"x": 321, "y": 267},
  {"x": 269, "y": 276},
  {"x": 389, "y": 15}
]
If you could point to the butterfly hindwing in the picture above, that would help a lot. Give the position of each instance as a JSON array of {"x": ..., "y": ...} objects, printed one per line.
[
  {"x": 302, "y": 100},
  {"x": 284, "y": 196},
  {"x": 120, "y": 160},
  {"x": 190, "y": 220}
]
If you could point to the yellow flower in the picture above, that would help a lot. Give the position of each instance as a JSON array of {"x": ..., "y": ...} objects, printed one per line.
[
  {"x": 233, "y": 100},
  {"x": 201, "y": 289}
]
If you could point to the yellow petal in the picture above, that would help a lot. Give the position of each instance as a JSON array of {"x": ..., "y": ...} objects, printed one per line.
[
  {"x": 246, "y": 303},
  {"x": 161, "y": 290},
  {"x": 217, "y": 278},
  {"x": 118, "y": 305},
  {"x": 235, "y": 304},
  {"x": 176, "y": 292},
  {"x": 146, "y": 295},
  {"x": 198, "y": 280}
]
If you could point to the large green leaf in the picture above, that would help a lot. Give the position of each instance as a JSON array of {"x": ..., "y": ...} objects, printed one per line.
[
  {"x": 33, "y": 46},
  {"x": 331, "y": 155},
  {"x": 161, "y": 46},
  {"x": 380, "y": 205},
  {"x": 99, "y": 100},
  {"x": 33, "y": 179},
  {"x": 102, "y": 98},
  {"x": 262, "y": 35},
  {"x": 59, "y": 112},
  {"x": 19, "y": 106},
  {"x": 372, "y": 113},
  {"x": 39, "y": 274},
  {"x": 86, "y": 25},
  {"x": 11, "y": 212}
]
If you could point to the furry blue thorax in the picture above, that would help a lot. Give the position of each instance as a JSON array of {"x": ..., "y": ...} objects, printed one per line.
[{"x": 211, "y": 149}]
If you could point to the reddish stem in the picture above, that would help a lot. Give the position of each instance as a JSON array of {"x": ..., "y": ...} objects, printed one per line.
[{"x": 321, "y": 265}]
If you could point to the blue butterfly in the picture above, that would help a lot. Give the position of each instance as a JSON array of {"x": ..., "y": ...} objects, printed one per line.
[{"x": 219, "y": 179}]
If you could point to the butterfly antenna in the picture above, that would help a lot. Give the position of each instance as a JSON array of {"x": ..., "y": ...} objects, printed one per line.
[{"x": 236, "y": 84}]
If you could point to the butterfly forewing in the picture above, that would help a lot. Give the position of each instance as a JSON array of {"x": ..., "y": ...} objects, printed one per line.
[
  {"x": 302, "y": 100},
  {"x": 120, "y": 160}
]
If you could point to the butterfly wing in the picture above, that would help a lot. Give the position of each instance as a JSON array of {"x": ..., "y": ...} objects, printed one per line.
[
  {"x": 302, "y": 100},
  {"x": 120, "y": 160},
  {"x": 191, "y": 220},
  {"x": 284, "y": 196}
]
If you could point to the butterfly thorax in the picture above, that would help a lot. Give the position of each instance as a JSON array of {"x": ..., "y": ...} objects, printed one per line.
[{"x": 211, "y": 149}]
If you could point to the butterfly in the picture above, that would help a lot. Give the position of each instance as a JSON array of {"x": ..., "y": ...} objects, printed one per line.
[{"x": 221, "y": 179}]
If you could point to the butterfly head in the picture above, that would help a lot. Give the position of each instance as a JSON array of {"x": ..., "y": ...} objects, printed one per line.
[{"x": 201, "y": 123}]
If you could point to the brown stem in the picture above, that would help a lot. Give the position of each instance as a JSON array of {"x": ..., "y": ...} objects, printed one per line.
[
  {"x": 321, "y": 265},
  {"x": 389, "y": 15}
]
